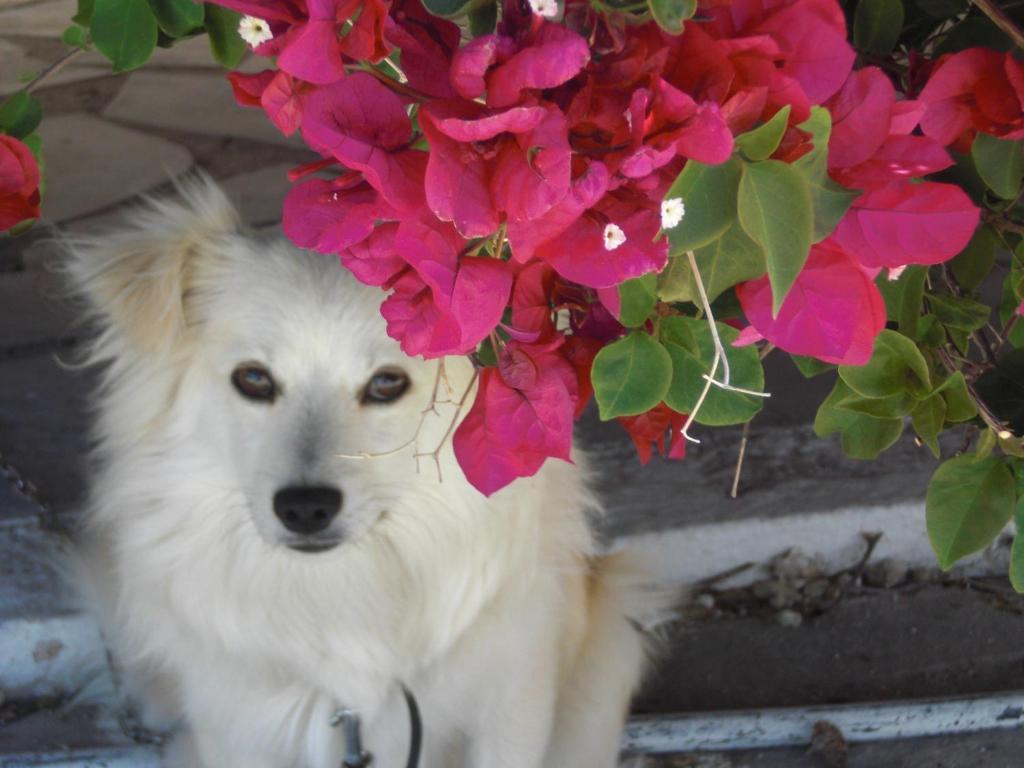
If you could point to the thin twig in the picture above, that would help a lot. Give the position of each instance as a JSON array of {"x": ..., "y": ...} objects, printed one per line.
[
  {"x": 719, "y": 349},
  {"x": 431, "y": 408},
  {"x": 436, "y": 453},
  {"x": 1001, "y": 20},
  {"x": 53, "y": 69},
  {"x": 739, "y": 461}
]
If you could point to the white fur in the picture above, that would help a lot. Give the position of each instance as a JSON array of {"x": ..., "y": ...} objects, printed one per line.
[{"x": 497, "y": 613}]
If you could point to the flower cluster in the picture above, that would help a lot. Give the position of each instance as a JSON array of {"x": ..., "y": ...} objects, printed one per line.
[
  {"x": 504, "y": 188},
  {"x": 19, "y": 183}
]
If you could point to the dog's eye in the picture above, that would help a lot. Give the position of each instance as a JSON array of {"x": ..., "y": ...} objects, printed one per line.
[
  {"x": 385, "y": 387},
  {"x": 254, "y": 382}
]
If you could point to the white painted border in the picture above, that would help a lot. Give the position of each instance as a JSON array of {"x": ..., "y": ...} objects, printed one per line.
[
  {"x": 764, "y": 729},
  {"x": 688, "y": 554}
]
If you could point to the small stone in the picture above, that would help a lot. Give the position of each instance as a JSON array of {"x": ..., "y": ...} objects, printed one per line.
[
  {"x": 789, "y": 618},
  {"x": 705, "y": 601},
  {"x": 829, "y": 745},
  {"x": 885, "y": 573},
  {"x": 816, "y": 589},
  {"x": 784, "y": 597}
]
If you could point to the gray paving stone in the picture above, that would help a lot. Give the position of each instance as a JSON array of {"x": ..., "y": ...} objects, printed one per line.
[
  {"x": 18, "y": 66},
  {"x": 191, "y": 103},
  {"x": 100, "y": 164},
  {"x": 46, "y": 19},
  {"x": 32, "y": 313},
  {"x": 259, "y": 195}
]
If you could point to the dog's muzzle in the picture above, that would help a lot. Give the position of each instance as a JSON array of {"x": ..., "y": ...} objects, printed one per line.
[{"x": 308, "y": 511}]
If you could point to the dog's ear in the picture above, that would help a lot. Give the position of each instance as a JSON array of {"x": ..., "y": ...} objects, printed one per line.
[{"x": 138, "y": 280}]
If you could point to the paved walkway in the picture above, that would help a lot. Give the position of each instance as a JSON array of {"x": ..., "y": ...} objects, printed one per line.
[{"x": 110, "y": 137}]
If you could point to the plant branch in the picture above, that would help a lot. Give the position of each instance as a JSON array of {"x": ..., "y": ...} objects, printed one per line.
[
  {"x": 1001, "y": 20},
  {"x": 53, "y": 69},
  {"x": 436, "y": 453}
]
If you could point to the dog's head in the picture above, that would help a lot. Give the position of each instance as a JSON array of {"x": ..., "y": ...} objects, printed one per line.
[{"x": 270, "y": 365}]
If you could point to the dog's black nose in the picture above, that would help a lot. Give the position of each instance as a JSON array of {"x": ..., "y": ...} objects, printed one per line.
[{"x": 307, "y": 510}]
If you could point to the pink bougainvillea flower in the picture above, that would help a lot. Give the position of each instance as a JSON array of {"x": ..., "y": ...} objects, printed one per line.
[
  {"x": 555, "y": 55},
  {"x": 365, "y": 127},
  {"x": 589, "y": 187},
  {"x": 19, "y": 183},
  {"x": 531, "y": 302},
  {"x": 903, "y": 223},
  {"x": 443, "y": 305},
  {"x": 583, "y": 254},
  {"x": 278, "y": 93},
  {"x": 833, "y": 312},
  {"x": 899, "y": 157},
  {"x": 861, "y": 117},
  {"x": 522, "y": 415},
  {"x": 427, "y": 46},
  {"x": 649, "y": 430},
  {"x": 349, "y": 220},
  {"x": 973, "y": 90},
  {"x": 484, "y": 165}
]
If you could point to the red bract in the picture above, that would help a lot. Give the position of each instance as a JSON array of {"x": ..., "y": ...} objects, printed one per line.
[
  {"x": 833, "y": 312},
  {"x": 648, "y": 431},
  {"x": 974, "y": 90},
  {"x": 485, "y": 166},
  {"x": 364, "y": 126},
  {"x": 523, "y": 414},
  {"x": 19, "y": 183},
  {"x": 278, "y": 93},
  {"x": 903, "y": 223},
  {"x": 444, "y": 305}
]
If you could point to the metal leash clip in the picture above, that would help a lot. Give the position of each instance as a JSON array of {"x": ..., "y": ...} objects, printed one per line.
[{"x": 355, "y": 755}]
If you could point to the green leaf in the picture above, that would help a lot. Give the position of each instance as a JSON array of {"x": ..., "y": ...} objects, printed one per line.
[
  {"x": 731, "y": 259},
  {"x": 829, "y": 200},
  {"x": 986, "y": 443},
  {"x": 178, "y": 17},
  {"x": 1000, "y": 164},
  {"x": 928, "y": 419},
  {"x": 709, "y": 192},
  {"x": 124, "y": 31},
  {"x": 863, "y": 436},
  {"x": 760, "y": 143},
  {"x": 222, "y": 27},
  {"x": 810, "y": 367},
  {"x": 670, "y": 14},
  {"x": 451, "y": 9},
  {"x": 637, "y": 297},
  {"x": 19, "y": 115},
  {"x": 774, "y": 205},
  {"x": 892, "y": 407},
  {"x": 973, "y": 264},
  {"x": 83, "y": 16},
  {"x": 904, "y": 298},
  {"x": 721, "y": 407},
  {"x": 483, "y": 20},
  {"x": 968, "y": 504},
  {"x": 1017, "y": 550},
  {"x": 896, "y": 366},
  {"x": 959, "y": 312},
  {"x": 959, "y": 405},
  {"x": 1002, "y": 390},
  {"x": 75, "y": 37},
  {"x": 676, "y": 329},
  {"x": 630, "y": 376},
  {"x": 877, "y": 25}
]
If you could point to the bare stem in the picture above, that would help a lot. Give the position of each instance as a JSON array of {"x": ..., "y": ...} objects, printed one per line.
[
  {"x": 739, "y": 461},
  {"x": 431, "y": 408},
  {"x": 53, "y": 69},
  {"x": 436, "y": 453},
  {"x": 719, "y": 349},
  {"x": 1001, "y": 20}
]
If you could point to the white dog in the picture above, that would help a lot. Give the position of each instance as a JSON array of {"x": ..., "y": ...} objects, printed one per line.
[{"x": 258, "y": 571}]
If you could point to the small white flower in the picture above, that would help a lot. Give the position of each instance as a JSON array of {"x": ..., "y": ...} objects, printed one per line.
[
  {"x": 254, "y": 31},
  {"x": 672, "y": 212},
  {"x": 613, "y": 237},
  {"x": 546, "y": 8},
  {"x": 895, "y": 272}
]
